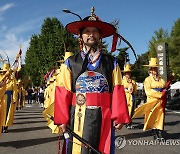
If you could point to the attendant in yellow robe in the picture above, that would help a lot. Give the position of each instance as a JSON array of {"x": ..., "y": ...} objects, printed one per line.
[
  {"x": 46, "y": 95},
  {"x": 2, "y": 98},
  {"x": 18, "y": 106},
  {"x": 9, "y": 101},
  {"x": 23, "y": 96},
  {"x": 50, "y": 109},
  {"x": 130, "y": 88},
  {"x": 153, "y": 109},
  {"x": 20, "y": 94}
]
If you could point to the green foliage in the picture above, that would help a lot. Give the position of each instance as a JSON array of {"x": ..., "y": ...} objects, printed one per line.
[
  {"x": 104, "y": 47},
  {"x": 121, "y": 57},
  {"x": 173, "y": 41},
  {"x": 140, "y": 72},
  {"x": 46, "y": 49},
  {"x": 174, "y": 49},
  {"x": 160, "y": 36}
]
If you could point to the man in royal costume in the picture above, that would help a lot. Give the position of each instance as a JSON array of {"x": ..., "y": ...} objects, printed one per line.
[{"x": 90, "y": 97}]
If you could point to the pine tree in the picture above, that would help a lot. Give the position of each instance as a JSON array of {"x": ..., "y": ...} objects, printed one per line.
[{"x": 47, "y": 48}]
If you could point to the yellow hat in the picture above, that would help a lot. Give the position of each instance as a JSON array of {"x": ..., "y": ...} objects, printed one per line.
[
  {"x": 6, "y": 67},
  {"x": 67, "y": 55},
  {"x": 152, "y": 63},
  {"x": 127, "y": 68}
]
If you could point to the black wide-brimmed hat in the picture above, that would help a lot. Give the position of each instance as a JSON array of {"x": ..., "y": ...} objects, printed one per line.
[{"x": 105, "y": 28}]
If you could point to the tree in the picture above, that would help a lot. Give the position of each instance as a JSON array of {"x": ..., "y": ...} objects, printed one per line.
[
  {"x": 174, "y": 49},
  {"x": 160, "y": 36},
  {"x": 47, "y": 48},
  {"x": 122, "y": 57},
  {"x": 139, "y": 71},
  {"x": 32, "y": 60}
]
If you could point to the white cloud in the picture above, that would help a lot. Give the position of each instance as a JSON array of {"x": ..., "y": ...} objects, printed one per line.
[
  {"x": 11, "y": 39},
  {"x": 6, "y": 7},
  {"x": 11, "y": 45}
]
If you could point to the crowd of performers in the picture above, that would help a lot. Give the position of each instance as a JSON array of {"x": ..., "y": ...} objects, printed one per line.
[{"x": 89, "y": 94}]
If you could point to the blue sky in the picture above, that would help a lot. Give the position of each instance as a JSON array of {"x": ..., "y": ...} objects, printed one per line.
[{"x": 20, "y": 19}]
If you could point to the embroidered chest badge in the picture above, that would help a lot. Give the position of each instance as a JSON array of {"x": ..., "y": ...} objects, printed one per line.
[{"x": 91, "y": 82}]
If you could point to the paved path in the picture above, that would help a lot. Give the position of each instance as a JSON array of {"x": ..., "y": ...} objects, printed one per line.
[{"x": 30, "y": 135}]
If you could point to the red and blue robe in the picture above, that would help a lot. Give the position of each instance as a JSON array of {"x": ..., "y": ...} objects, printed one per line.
[{"x": 90, "y": 102}]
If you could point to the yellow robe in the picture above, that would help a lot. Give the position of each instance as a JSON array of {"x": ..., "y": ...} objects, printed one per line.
[
  {"x": 2, "y": 98},
  {"x": 130, "y": 87},
  {"x": 152, "y": 109},
  {"x": 49, "y": 111},
  {"x": 18, "y": 97},
  {"x": 46, "y": 97},
  {"x": 8, "y": 120},
  {"x": 24, "y": 96}
]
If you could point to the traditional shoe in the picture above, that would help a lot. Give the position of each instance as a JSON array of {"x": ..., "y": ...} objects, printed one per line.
[
  {"x": 160, "y": 136},
  {"x": 5, "y": 131},
  {"x": 155, "y": 134},
  {"x": 129, "y": 126}
]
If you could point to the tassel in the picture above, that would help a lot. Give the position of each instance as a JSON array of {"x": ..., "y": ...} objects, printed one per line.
[{"x": 114, "y": 42}]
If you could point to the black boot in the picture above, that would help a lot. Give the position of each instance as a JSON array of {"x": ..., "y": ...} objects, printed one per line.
[
  {"x": 129, "y": 126},
  {"x": 155, "y": 134},
  {"x": 160, "y": 136},
  {"x": 5, "y": 130}
]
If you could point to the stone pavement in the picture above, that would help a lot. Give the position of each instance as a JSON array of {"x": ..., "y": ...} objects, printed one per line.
[{"x": 30, "y": 135}]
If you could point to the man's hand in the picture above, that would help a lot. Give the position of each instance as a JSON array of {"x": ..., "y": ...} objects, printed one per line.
[
  {"x": 63, "y": 127},
  {"x": 118, "y": 126}
]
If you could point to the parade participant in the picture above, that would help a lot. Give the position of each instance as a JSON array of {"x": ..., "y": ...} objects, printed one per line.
[
  {"x": 49, "y": 107},
  {"x": 2, "y": 92},
  {"x": 29, "y": 95},
  {"x": 21, "y": 94},
  {"x": 46, "y": 95},
  {"x": 90, "y": 97},
  {"x": 51, "y": 91},
  {"x": 2, "y": 97},
  {"x": 10, "y": 100},
  {"x": 153, "y": 109},
  {"x": 49, "y": 111},
  {"x": 130, "y": 87},
  {"x": 18, "y": 104}
]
